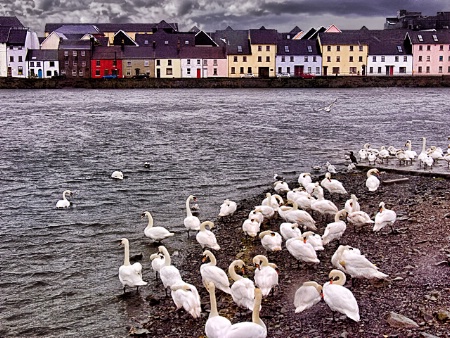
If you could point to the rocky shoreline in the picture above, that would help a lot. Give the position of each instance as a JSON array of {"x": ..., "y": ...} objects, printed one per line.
[{"x": 416, "y": 258}]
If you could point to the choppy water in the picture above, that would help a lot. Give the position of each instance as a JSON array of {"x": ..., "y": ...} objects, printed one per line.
[{"x": 59, "y": 268}]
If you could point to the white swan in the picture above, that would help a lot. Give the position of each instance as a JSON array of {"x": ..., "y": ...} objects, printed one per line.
[
  {"x": 206, "y": 238},
  {"x": 411, "y": 154},
  {"x": 289, "y": 230},
  {"x": 352, "y": 204},
  {"x": 314, "y": 239},
  {"x": 383, "y": 154},
  {"x": 295, "y": 215},
  {"x": 359, "y": 218},
  {"x": 216, "y": 324},
  {"x": 266, "y": 277},
  {"x": 130, "y": 275},
  {"x": 336, "y": 229},
  {"x": 324, "y": 206},
  {"x": 351, "y": 261},
  {"x": 158, "y": 262},
  {"x": 371, "y": 156},
  {"x": 169, "y": 274},
  {"x": 281, "y": 187},
  {"x": 155, "y": 233},
  {"x": 186, "y": 295},
  {"x": 384, "y": 217},
  {"x": 267, "y": 211},
  {"x": 304, "y": 179},
  {"x": 302, "y": 250},
  {"x": 212, "y": 273},
  {"x": 331, "y": 168},
  {"x": 307, "y": 295},
  {"x": 332, "y": 185},
  {"x": 301, "y": 197},
  {"x": 271, "y": 240},
  {"x": 363, "y": 152},
  {"x": 251, "y": 226},
  {"x": 254, "y": 329},
  {"x": 227, "y": 208},
  {"x": 273, "y": 201},
  {"x": 372, "y": 182},
  {"x": 117, "y": 175},
  {"x": 191, "y": 222},
  {"x": 338, "y": 297},
  {"x": 64, "y": 203},
  {"x": 243, "y": 289}
]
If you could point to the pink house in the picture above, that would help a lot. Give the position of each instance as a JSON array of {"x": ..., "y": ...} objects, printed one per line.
[{"x": 431, "y": 52}]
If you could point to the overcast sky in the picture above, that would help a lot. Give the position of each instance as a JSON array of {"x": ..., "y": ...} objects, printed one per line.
[{"x": 210, "y": 15}]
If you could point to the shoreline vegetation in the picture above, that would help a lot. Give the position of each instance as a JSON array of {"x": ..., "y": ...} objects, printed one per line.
[{"x": 153, "y": 83}]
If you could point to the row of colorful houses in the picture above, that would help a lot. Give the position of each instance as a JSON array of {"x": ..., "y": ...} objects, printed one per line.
[{"x": 161, "y": 51}]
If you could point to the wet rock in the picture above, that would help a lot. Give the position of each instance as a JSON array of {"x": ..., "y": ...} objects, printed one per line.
[
  {"x": 443, "y": 315},
  {"x": 400, "y": 321}
]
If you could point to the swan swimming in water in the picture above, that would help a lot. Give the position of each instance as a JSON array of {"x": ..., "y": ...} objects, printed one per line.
[
  {"x": 338, "y": 297},
  {"x": 64, "y": 203},
  {"x": 130, "y": 275},
  {"x": 206, "y": 238},
  {"x": 118, "y": 175},
  {"x": 216, "y": 324},
  {"x": 155, "y": 233},
  {"x": 191, "y": 222},
  {"x": 243, "y": 289}
]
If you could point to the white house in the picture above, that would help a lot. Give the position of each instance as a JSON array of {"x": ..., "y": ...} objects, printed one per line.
[
  {"x": 19, "y": 41},
  {"x": 42, "y": 63}
]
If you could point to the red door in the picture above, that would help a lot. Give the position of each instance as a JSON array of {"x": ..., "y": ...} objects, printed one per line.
[{"x": 199, "y": 73}]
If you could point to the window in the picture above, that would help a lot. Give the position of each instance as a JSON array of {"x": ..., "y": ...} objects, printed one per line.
[
  {"x": 74, "y": 72},
  {"x": 374, "y": 59},
  {"x": 38, "y": 64},
  {"x": 309, "y": 70},
  {"x": 419, "y": 37},
  {"x": 283, "y": 58},
  {"x": 305, "y": 59},
  {"x": 74, "y": 53},
  {"x": 419, "y": 70},
  {"x": 267, "y": 48},
  {"x": 396, "y": 58},
  {"x": 97, "y": 63},
  {"x": 244, "y": 59},
  {"x": 328, "y": 58},
  {"x": 20, "y": 70},
  {"x": 328, "y": 48},
  {"x": 288, "y": 70},
  {"x": 402, "y": 70},
  {"x": 235, "y": 59},
  {"x": 158, "y": 62},
  {"x": 241, "y": 70},
  {"x": 168, "y": 71},
  {"x": 352, "y": 70},
  {"x": 249, "y": 70},
  {"x": 166, "y": 43},
  {"x": 97, "y": 72},
  {"x": 83, "y": 63},
  {"x": 145, "y": 43},
  {"x": 205, "y": 62},
  {"x": 188, "y": 71},
  {"x": 169, "y": 63},
  {"x": 317, "y": 70},
  {"x": 448, "y": 69},
  {"x": 233, "y": 70},
  {"x": 267, "y": 58},
  {"x": 259, "y": 48},
  {"x": 361, "y": 48},
  {"x": 146, "y": 63},
  {"x": 371, "y": 70},
  {"x": 198, "y": 62},
  {"x": 440, "y": 69},
  {"x": 338, "y": 59},
  {"x": 186, "y": 42},
  {"x": 335, "y": 70},
  {"x": 400, "y": 49},
  {"x": 351, "y": 48},
  {"x": 280, "y": 70},
  {"x": 239, "y": 48},
  {"x": 405, "y": 59},
  {"x": 428, "y": 47},
  {"x": 66, "y": 63},
  {"x": 350, "y": 59},
  {"x": 420, "y": 47},
  {"x": 52, "y": 63},
  {"x": 360, "y": 59},
  {"x": 286, "y": 49},
  {"x": 31, "y": 64},
  {"x": 215, "y": 61},
  {"x": 188, "y": 61},
  {"x": 214, "y": 71},
  {"x": 428, "y": 69},
  {"x": 66, "y": 53},
  {"x": 259, "y": 59},
  {"x": 338, "y": 48},
  {"x": 83, "y": 53},
  {"x": 441, "y": 47},
  {"x": 441, "y": 58},
  {"x": 128, "y": 63},
  {"x": 11, "y": 59},
  {"x": 428, "y": 58},
  {"x": 20, "y": 58},
  {"x": 291, "y": 59},
  {"x": 420, "y": 58},
  {"x": 382, "y": 59},
  {"x": 309, "y": 49},
  {"x": 80, "y": 73},
  {"x": 379, "y": 70},
  {"x": 314, "y": 59}
]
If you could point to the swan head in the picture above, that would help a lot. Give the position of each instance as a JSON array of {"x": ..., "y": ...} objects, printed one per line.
[
  {"x": 123, "y": 242},
  {"x": 206, "y": 255},
  {"x": 337, "y": 277},
  {"x": 145, "y": 213},
  {"x": 155, "y": 255}
]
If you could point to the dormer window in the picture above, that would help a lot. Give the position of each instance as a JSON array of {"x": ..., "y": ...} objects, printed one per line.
[
  {"x": 286, "y": 49},
  {"x": 146, "y": 42},
  {"x": 288, "y": 37},
  {"x": 239, "y": 49},
  {"x": 186, "y": 42},
  {"x": 420, "y": 38},
  {"x": 400, "y": 49},
  {"x": 166, "y": 42},
  {"x": 309, "y": 49},
  {"x": 435, "y": 38}
]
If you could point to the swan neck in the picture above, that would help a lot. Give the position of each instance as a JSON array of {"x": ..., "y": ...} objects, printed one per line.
[
  {"x": 188, "y": 207},
  {"x": 212, "y": 297},
  {"x": 167, "y": 259},
  {"x": 256, "y": 307},
  {"x": 150, "y": 220},
  {"x": 212, "y": 258},
  {"x": 126, "y": 259},
  {"x": 424, "y": 144},
  {"x": 232, "y": 272}
]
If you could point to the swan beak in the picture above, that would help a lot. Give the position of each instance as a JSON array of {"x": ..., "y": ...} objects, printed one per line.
[
  {"x": 204, "y": 259},
  {"x": 243, "y": 271},
  {"x": 257, "y": 266},
  {"x": 142, "y": 215},
  {"x": 304, "y": 240}
]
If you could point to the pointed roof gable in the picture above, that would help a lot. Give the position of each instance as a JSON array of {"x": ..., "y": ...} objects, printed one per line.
[
  {"x": 295, "y": 30},
  {"x": 333, "y": 29},
  {"x": 203, "y": 39},
  {"x": 122, "y": 38}
]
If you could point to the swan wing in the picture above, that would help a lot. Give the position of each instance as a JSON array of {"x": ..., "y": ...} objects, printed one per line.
[
  {"x": 341, "y": 299},
  {"x": 246, "y": 330},
  {"x": 212, "y": 273},
  {"x": 215, "y": 326},
  {"x": 243, "y": 293},
  {"x": 265, "y": 278},
  {"x": 306, "y": 297}
]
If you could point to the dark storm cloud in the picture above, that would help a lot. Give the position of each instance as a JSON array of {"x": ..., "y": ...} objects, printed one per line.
[
  {"x": 186, "y": 7},
  {"x": 46, "y": 5}
]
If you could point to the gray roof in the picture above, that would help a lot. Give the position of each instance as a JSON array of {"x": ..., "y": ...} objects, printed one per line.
[
  {"x": 77, "y": 29},
  {"x": 263, "y": 36},
  {"x": 162, "y": 38},
  {"x": 42, "y": 55},
  {"x": 17, "y": 37},
  {"x": 115, "y": 27},
  {"x": 10, "y": 21},
  {"x": 429, "y": 37},
  {"x": 297, "y": 47},
  {"x": 202, "y": 53},
  {"x": 107, "y": 53},
  {"x": 131, "y": 52},
  {"x": 75, "y": 44},
  {"x": 4, "y": 33},
  {"x": 233, "y": 40}
]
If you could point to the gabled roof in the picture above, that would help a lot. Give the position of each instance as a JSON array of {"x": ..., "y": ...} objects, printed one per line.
[
  {"x": 42, "y": 55},
  {"x": 297, "y": 47},
  {"x": 236, "y": 42},
  {"x": 10, "y": 21},
  {"x": 202, "y": 53},
  {"x": 17, "y": 37},
  {"x": 123, "y": 38},
  {"x": 332, "y": 29},
  {"x": 115, "y": 27},
  {"x": 263, "y": 36},
  {"x": 387, "y": 42},
  {"x": 107, "y": 53},
  {"x": 295, "y": 30},
  {"x": 77, "y": 29},
  {"x": 428, "y": 37},
  {"x": 131, "y": 52},
  {"x": 344, "y": 38},
  {"x": 168, "y": 39},
  {"x": 203, "y": 39}
]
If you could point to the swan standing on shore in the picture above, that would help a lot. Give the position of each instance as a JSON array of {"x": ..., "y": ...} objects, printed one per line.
[
  {"x": 271, "y": 240},
  {"x": 302, "y": 250},
  {"x": 227, "y": 208},
  {"x": 158, "y": 261},
  {"x": 186, "y": 295},
  {"x": 266, "y": 277},
  {"x": 130, "y": 275},
  {"x": 372, "y": 182},
  {"x": 289, "y": 230},
  {"x": 352, "y": 204},
  {"x": 307, "y": 295},
  {"x": 169, "y": 274},
  {"x": 243, "y": 289},
  {"x": 155, "y": 233},
  {"x": 64, "y": 203},
  {"x": 212, "y": 273},
  {"x": 304, "y": 179},
  {"x": 251, "y": 226},
  {"x": 384, "y": 217},
  {"x": 254, "y": 329},
  {"x": 191, "y": 222},
  {"x": 295, "y": 215},
  {"x": 332, "y": 185},
  {"x": 338, "y": 297},
  {"x": 336, "y": 229},
  {"x": 216, "y": 324},
  {"x": 206, "y": 238}
]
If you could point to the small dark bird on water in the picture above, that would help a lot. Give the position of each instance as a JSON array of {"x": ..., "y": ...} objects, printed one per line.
[{"x": 353, "y": 158}]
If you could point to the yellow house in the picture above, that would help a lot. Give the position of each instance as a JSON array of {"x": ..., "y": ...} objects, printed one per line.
[
  {"x": 344, "y": 53},
  {"x": 263, "y": 47}
]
